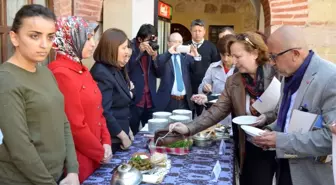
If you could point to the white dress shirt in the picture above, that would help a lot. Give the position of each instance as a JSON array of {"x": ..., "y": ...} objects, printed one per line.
[
  {"x": 198, "y": 44},
  {"x": 289, "y": 113}
]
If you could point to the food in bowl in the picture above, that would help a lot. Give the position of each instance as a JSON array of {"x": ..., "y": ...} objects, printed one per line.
[
  {"x": 180, "y": 144},
  {"x": 202, "y": 140},
  {"x": 141, "y": 162},
  {"x": 159, "y": 159}
]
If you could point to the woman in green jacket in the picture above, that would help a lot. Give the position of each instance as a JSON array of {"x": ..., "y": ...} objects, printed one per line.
[{"x": 37, "y": 147}]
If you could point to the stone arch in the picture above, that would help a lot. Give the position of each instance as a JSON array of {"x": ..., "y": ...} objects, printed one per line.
[
  {"x": 277, "y": 13},
  {"x": 267, "y": 14}
]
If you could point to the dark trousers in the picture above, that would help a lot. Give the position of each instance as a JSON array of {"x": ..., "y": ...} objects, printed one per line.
[
  {"x": 177, "y": 104},
  {"x": 198, "y": 109},
  {"x": 259, "y": 166},
  {"x": 283, "y": 173},
  {"x": 139, "y": 114}
]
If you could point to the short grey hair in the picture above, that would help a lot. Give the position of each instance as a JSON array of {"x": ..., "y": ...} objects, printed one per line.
[{"x": 197, "y": 22}]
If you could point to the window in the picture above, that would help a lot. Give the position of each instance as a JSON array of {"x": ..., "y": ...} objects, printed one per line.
[{"x": 8, "y": 9}]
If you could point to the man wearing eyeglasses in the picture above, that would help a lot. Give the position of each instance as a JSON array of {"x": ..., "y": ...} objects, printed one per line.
[{"x": 309, "y": 86}]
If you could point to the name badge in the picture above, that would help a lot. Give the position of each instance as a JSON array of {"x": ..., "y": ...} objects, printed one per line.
[
  {"x": 222, "y": 147},
  {"x": 216, "y": 171}
]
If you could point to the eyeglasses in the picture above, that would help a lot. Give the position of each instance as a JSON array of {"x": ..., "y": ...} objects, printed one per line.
[{"x": 274, "y": 56}]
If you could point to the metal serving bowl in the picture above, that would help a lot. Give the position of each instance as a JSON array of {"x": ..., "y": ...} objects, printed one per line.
[
  {"x": 202, "y": 140},
  {"x": 125, "y": 174}
]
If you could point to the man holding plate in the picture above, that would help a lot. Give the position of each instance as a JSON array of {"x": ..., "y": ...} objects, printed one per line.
[{"x": 309, "y": 88}]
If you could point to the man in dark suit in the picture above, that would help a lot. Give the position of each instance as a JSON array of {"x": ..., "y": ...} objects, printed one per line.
[
  {"x": 142, "y": 70},
  {"x": 175, "y": 88},
  {"x": 209, "y": 54}
]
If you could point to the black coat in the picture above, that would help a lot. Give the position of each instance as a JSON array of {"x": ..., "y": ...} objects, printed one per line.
[{"x": 116, "y": 98}]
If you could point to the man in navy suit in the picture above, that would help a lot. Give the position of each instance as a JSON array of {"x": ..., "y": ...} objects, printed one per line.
[
  {"x": 142, "y": 70},
  {"x": 175, "y": 87}
]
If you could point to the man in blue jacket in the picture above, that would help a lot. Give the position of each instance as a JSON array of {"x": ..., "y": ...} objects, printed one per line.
[
  {"x": 142, "y": 70},
  {"x": 175, "y": 87}
]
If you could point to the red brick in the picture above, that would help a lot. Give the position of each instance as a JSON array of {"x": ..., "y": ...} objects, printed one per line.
[
  {"x": 301, "y": 16},
  {"x": 295, "y": 8},
  {"x": 318, "y": 23},
  {"x": 281, "y": 3},
  {"x": 90, "y": 1},
  {"x": 276, "y": 23},
  {"x": 65, "y": 3},
  {"x": 295, "y": 23},
  {"x": 283, "y": 16},
  {"x": 92, "y": 8},
  {"x": 89, "y": 18},
  {"x": 299, "y": 1},
  {"x": 83, "y": 13}
]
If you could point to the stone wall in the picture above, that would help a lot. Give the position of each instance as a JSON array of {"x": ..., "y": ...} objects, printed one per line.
[
  {"x": 239, "y": 13},
  {"x": 316, "y": 17},
  {"x": 89, "y": 9}
]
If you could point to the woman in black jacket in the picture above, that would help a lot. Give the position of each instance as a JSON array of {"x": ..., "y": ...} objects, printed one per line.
[{"x": 111, "y": 56}]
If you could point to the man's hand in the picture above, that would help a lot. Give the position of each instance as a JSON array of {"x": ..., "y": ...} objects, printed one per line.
[
  {"x": 107, "y": 153},
  {"x": 333, "y": 127},
  {"x": 150, "y": 51},
  {"x": 267, "y": 139},
  {"x": 172, "y": 50},
  {"x": 142, "y": 46},
  {"x": 193, "y": 51},
  {"x": 70, "y": 179}
]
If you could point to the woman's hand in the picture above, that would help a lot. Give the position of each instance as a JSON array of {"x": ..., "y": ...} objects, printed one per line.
[
  {"x": 179, "y": 128},
  {"x": 207, "y": 88},
  {"x": 70, "y": 179},
  {"x": 131, "y": 85},
  {"x": 125, "y": 140},
  {"x": 107, "y": 153},
  {"x": 200, "y": 99},
  {"x": 261, "y": 120},
  {"x": 131, "y": 134}
]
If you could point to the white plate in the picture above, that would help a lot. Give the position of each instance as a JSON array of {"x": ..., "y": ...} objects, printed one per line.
[
  {"x": 179, "y": 118},
  {"x": 245, "y": 120},
  {"x": 252, "y": 131},
  {"x": 213, "y": 101},
  {"x": 162, "y": 114},
  {"x": 181, "y": 111},
  {"x": 1, "y": 137},
  {"x": 145, "y": 128}
]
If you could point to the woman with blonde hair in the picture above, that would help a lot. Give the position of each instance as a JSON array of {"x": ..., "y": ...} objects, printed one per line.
[{"x": 241, "y": 90}]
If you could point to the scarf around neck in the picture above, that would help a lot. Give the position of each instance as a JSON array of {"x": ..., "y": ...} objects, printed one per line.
[
  {"x": 254, "y": 88},
  {"x": 292, "y": 84}
]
